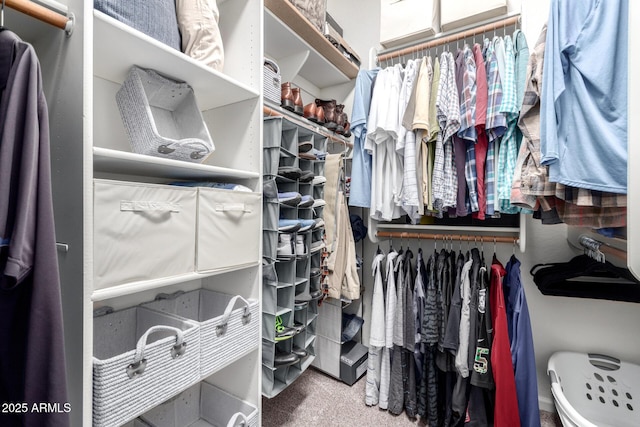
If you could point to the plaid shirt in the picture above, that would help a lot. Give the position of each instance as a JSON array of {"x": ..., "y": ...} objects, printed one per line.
[
  {"x": 448, "y": 108},
  {"x": 586, "y": 197},
  {"x": 468, "y": 126},
  {"x": 496, "y": 121},
  {"x": 508, "y": 154}
]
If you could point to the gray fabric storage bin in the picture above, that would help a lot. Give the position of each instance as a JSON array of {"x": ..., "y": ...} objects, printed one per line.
[
  {"x": 155, "y": 18},
  {"x": 141, "y": 358},
  {"x": 227, "y": 333},
  {"x": 202, "y": 405},
  {"x": 161, "y": 117}
]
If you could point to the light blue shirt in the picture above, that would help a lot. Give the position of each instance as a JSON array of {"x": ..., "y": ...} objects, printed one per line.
[
  {"x": 361, "y": 166},
  {"x": 584, "y": 94}
]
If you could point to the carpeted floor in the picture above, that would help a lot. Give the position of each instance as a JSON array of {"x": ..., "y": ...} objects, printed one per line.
[{"x": 316, "y": 399}]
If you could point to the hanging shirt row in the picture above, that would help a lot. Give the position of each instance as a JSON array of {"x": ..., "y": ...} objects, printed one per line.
[
  {"x": 451, "y": 340},
  {"x": 443, "y": 137},
  {"x": 442, "y": 132}
]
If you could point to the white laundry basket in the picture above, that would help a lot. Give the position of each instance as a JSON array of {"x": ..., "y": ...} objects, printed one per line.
[{"x": 594, "y": 390}]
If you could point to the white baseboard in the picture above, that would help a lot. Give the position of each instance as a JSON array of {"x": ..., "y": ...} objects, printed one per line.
[{"x": 546, "y": 404}]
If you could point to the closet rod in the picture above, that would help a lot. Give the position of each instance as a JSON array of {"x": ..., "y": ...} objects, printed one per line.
[
  {"x": 454, "y": 237},
  {"x": 44, "y": 14},
  {"x": 271, "y": 112},
  {"x": 451, "y": 38},
  {"x": 603, "y": 247}
]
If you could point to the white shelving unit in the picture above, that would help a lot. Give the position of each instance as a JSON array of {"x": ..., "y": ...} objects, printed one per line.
[
  {"x": 82, "y": 73},
  {"x": 230, "y": 102}
]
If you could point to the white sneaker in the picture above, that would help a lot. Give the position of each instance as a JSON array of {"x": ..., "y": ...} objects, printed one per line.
[
  {"x": 319, "y": 179},
  {"x": 318, "y": 203},
  {"x": 286, "y": 246},
  {"x": 300, "y": 247}
]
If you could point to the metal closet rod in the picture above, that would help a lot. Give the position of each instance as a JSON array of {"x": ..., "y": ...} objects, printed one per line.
[
  {"x": 57, "y": 19},
  {"x": 271, "y": 112},
  {"x": 455, "y": 237},
  {"x": 451, "y": 38}
]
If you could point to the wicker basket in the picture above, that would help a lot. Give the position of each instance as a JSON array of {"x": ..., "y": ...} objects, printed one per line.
[
  {"x": 141, "y": 358},
  {"x": 202, "y": 405},
  {"x": 226, "y": 333},
  {"x": 272, "y": 81},
  {"x": 162, "y": 118}
]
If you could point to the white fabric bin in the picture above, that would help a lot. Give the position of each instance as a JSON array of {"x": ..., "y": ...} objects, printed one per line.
[
  {"x": 229, "y": 325},
  {"x": 229, "y": 228},
  {"x": 460, "y": 13},
  {"x": 202, "y": 405},
  {"x": 142, "y": 231},
  {"x": 406, "y": 21},
  {"x": 141, "y": 358}
]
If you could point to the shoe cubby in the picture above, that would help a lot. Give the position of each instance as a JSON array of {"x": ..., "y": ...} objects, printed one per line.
[
  {"x": 293, "y": 265},
  {"x": 269, "y": 245},
  {"x": 274, "y": 380},
  {"x": 300, "y": 313}
]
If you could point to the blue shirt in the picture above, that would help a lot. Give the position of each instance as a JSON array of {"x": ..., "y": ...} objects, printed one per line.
[
  {"x": 584, "y": 94},
  {"x": 521, "y": 338},
  {"x": 361, "y": 166}
]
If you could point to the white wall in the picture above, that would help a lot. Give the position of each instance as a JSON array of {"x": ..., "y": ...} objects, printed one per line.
[{"x": 558, "y": 323}]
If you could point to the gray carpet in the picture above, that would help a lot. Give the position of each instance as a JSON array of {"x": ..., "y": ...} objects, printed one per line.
[{"x": 316, "y": 399}]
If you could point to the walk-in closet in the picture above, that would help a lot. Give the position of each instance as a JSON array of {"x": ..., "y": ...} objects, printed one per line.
[{"x": 319, "y": 213}]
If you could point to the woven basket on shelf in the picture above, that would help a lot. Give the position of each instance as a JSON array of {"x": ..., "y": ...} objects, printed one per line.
[
  {"x": 226, "y": 333},
  {"x": 161, "y": 117},
  {"x": 141, "y": 358},
  {"x": 272, "y": 81}
]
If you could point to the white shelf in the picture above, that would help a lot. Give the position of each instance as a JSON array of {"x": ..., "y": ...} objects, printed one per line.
[
  {"x": 122, "y": 162},
  {"x": 145, "y": 285},
  {"x": 285, "y": 46},
  {"x": 212, "y": 88}
]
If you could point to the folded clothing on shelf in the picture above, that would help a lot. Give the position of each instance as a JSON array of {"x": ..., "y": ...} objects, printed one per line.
[{"x": 219, "y": 185}]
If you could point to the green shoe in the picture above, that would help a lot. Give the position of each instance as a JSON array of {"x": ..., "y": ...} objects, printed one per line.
[{"x": 283, "y": 332}]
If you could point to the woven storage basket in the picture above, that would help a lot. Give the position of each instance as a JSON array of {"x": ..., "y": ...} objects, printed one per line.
[
  {"x": 141, "y": 358},
  {"x": 272, "y": 81},
  {"x": 162, "y": 118},
  {"x": 226, "y": 333},
  {"x": 202, "y": 405}
]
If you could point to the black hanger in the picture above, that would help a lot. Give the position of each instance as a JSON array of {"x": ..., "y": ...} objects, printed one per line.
[{"x": 584, "y": 277}]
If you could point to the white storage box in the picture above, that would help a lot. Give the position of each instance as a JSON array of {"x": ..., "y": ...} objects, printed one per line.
[
  {"x": 594, "y": 390},
  {"x": 405, "y": 21},
  {"x": 202, "y": 405},
  {"x": 162, "y": 118},
  {"x": 229, "y": 228},
  {"x": 141, "y": 358},
  {"x": 142, "y": 231},
  {"x": 459, "y": 13},
  {"x": 229, "y": 325}
]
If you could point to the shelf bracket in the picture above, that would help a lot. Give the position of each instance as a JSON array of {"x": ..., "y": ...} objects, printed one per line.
[{"x": 291, "y": 65}]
